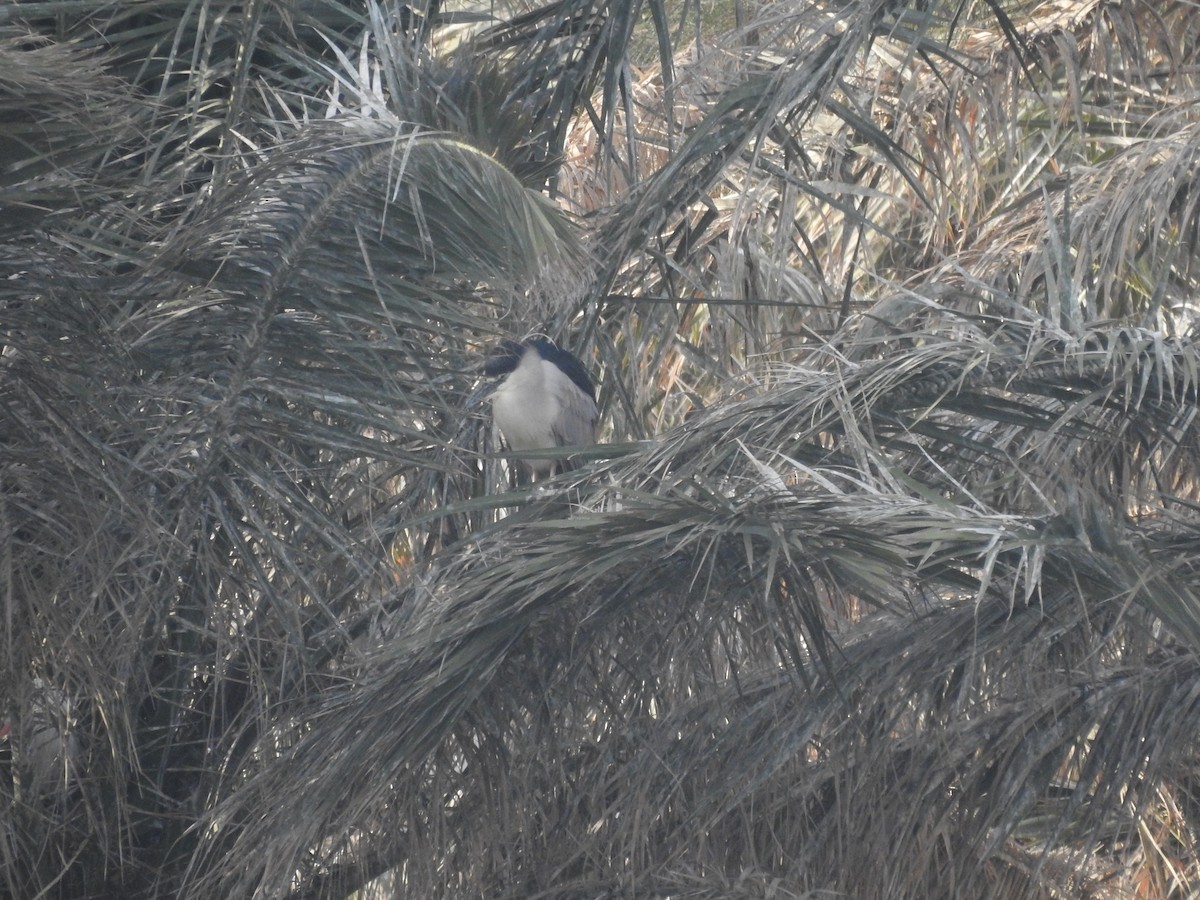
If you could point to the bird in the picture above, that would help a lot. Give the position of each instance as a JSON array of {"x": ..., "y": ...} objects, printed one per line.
[{"x": 546, "y": 399}]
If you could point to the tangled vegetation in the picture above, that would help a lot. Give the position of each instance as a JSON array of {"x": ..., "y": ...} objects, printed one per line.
[{"x": 882, "y": 582}]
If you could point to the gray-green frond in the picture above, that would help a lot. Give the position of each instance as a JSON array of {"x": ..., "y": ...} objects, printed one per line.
[
  {"x": 801, "y": 625},
  {"x": 881, "y": 582}
]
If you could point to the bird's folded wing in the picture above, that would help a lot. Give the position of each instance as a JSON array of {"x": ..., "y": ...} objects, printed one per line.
[{"x": 575, "y": 424}]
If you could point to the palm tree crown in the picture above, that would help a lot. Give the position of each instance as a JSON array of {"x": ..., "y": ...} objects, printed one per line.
[{"x": 880, "y": 579}]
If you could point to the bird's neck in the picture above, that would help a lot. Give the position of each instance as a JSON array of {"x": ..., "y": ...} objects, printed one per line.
[{"x": 526, "y": 376}]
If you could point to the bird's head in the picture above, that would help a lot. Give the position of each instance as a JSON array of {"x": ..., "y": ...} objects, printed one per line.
[{"x": 503, "y": 358}]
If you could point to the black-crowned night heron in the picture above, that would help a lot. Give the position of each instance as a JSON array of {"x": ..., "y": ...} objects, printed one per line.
[{"x": 545, "y": 400}]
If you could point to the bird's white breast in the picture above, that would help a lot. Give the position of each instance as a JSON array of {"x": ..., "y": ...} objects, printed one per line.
[{"x": 524, "y": 406}]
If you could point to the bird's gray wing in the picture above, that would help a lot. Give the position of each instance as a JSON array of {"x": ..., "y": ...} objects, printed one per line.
[{"x": 575, "y": 424}]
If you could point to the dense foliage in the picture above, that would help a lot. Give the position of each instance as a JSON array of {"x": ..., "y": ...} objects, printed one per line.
[{"x": 883, "y": 581}]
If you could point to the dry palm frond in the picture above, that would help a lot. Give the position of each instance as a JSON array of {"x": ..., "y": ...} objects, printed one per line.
[
  {"x": 839, "y": 663},
  {"x": 208, "y": 461},
  {"x": 907, "y": 610}
]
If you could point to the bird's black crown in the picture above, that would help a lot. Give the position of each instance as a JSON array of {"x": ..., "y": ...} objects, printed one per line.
[{"x": 503, "y": 358}]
